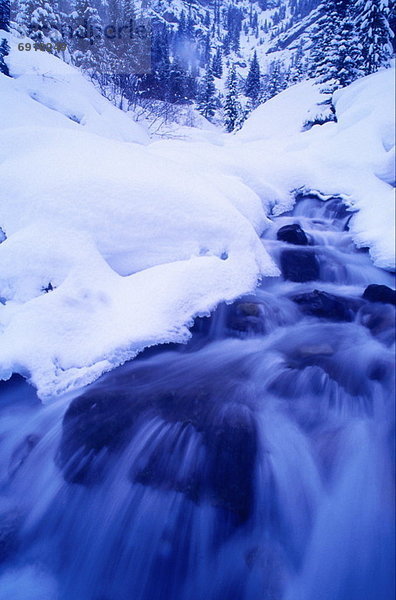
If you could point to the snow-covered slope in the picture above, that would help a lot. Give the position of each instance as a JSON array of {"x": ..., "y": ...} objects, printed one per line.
[{"x": 52, "y": 84}]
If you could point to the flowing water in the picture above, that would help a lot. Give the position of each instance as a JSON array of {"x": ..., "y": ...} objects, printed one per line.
[{"x": 255, "y": 463}]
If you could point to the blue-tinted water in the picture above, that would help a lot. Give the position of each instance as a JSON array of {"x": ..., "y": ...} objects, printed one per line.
[{"x": 254, "y": 464}]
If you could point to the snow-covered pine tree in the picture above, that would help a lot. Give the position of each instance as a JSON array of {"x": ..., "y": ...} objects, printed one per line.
[
  {"x": 39, "y": 20},
  {"x": 253, "y": 82},
  {"x": 276, "y": 80},
  {"x": 376, "y": 34},
  {"x": 297, "y": 69},
  {"x": 347, "y": 55},
  {"x": 4, "y": 49},
  {"x": 4, "y": 15},
  {"x": 87, "y": 46},
  {"x": 217, "y": 64},
  {"x": 232, "y": 108},
  {"x": 326, "y": 40},
  {"x": 4, "y": 26},
  {"x": 207, "y": 95}
]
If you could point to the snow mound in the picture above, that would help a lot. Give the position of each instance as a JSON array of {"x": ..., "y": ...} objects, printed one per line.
[
  {"x": 352, "y": 158},
  {"x": 110, "y": 248}
]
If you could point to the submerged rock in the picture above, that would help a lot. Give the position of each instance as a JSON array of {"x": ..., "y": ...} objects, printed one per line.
[
  {"x": 247, "y": 317},
  {"x": 299, "y": 266},
  {"x": 206, "y": 453},
  {"x": 380, "y": 320},
  {"x": 328, "y": 306},
  {"x": 293, "y": 234},
  {"x": 380, "y": 293},
  {"x": 94, "y": 425}
]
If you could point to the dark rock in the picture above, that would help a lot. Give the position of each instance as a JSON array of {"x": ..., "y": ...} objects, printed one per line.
[
  {"x": 247, "y": 317},
  {"x": 94, "y": 425},
  {"x": 48, "y": 288},
  {"x": 222, "y": 468},
  {"x": 232, "y": 449},
  {"x": 299, "y": 266},
  {"x": 328, "y": 306},
  {"x": 380, "y": 293},
  {"x": 293, "y": 234}
]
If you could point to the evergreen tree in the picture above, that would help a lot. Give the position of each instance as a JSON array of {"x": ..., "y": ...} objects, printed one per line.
[
  {"x": 347, "y": 55},
  {"x": 207, "y": 97},
  {"x": 325, "y": 36},
  {"x": 207, "y": 51},
  {"x": 178, "y": 83},
  {"x": 39, "y": 20},
  {"x": 232, "y": 108},
  {"x": 297, "y": 68},
  {"x": 253, "y": 84},
  {"x": 4, "y": 50},
  {"x": 4, "y": 14},
  {"x": 87, "y": 45},
  {"x": 376, "y": 34},
  {"x": 4, "y": 26},
  {"x": 276, "y": 80},
  {"x": 217, "y": 64}
]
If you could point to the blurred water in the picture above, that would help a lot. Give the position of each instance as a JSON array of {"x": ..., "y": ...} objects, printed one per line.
[{"x": 256, "y": 463}]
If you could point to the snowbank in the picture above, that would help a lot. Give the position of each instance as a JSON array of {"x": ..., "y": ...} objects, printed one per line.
[
  {"x": 113, "y": 245},
  {"x": 353, "y": 157},
  {"x": 109, "y": 247}
]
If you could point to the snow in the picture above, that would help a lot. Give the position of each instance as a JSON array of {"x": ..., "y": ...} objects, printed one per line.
[
  {"x": 138, "y": 238},
  {"x": 352, "y": 158},
  {"x": 135, "y": 245},
  {"x": 53, "y": 84}
]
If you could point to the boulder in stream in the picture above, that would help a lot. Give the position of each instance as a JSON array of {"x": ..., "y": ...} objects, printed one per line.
[
  {"x": 299, "y": 265},
  {"x": 380, "y": 293},
  {"x": 327, "y": 306},
  {"x": 293, "y": 234}
]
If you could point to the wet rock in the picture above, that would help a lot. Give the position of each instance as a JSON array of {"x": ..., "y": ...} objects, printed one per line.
[
  {"x": 324, "y": 305},
  {"x": 209, "y": 456},
  {"x": 95, "y": 425},
  {"x": 380, "y": 320},
  {"x": 293, "y": 234},
  {"x": 314, "y": 350},
  {"x": 232, "y": 450},
  {"x": 380, "y": 293},
  {"x": 247, "y": 317},
  {"x": 299, "y": 266}
]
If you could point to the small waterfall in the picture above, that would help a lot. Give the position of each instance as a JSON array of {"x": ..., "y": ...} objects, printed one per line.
[{"x": 255, "y": 463}]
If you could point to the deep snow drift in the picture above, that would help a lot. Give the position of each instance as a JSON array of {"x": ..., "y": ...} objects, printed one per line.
[{"x": 113, "y": 244}]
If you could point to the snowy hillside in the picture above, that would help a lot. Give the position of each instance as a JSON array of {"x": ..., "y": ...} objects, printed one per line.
[
  {"x": 188, "y": 61},
  {"x": 113, "y": 244}
]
